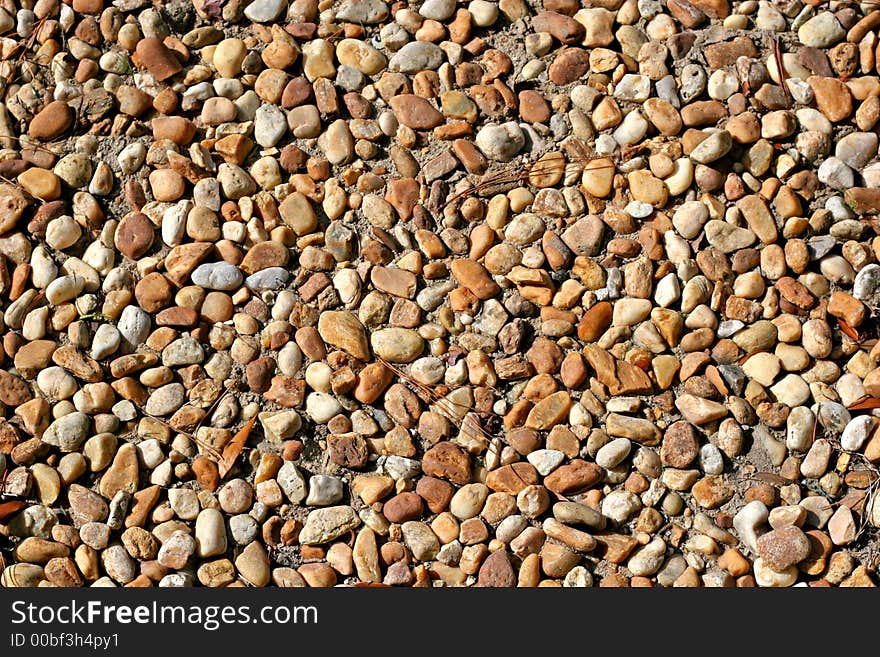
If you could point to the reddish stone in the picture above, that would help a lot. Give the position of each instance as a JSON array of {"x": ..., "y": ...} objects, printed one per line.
[
  {"x": 512, "y": 478},
  {"x": 595, "y": 322},
  {"x": 448, "y": 461},
  {"x": 134, "y": 235},
  {"x": 348, "y": 450},
  {"x": 569, "y": 65},
  {"x": 574, "y": 477},
  {"x": 436, "y": 493},
  {"x": 52, "y": 121},
  {"x": 159, "y": 60},
  {"x": 13, "y": 390},
  {"x": 415, "y": 112},
  {"x": 561, "y": 27},
  {"x": 402, "y": 507},
  {"x": 532, "y": 107},
  {"x": 258, "y": 374},
  {"x": 177, "y": 316},
  {"x": 496, "y": 571},
  {"x": 680, "y": 445}
]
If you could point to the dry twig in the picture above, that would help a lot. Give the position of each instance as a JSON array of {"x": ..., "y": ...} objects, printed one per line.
[{"x": 780, "y": 65}]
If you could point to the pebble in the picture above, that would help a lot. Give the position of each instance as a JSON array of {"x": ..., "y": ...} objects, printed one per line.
[
  {"x": 856, "y": 433},
  {"x": 51, "y": 121},
  {"x": 546, "y": 460},
  {"x": 363, "y": 11},
  {"x": 265, "y": 11},
  {"x": 417, "y": 56},
  {"x": 337, "y": 143},
  {"x": 500, "y": 142},
  {"x": 421, "y": 541},
  {"x": 821, "y": 31},
  {"x": 842, "y": 526},
  {"x": 217, "y": 276},
  {"x": 631, "y": 130},
  {"x": 647, "y": 560},
  {"x": 271, "y": 278},
  {"x": 784, "y": 547},
  {"x": 716, "y": 146},
  {"x": 324, "y": 490},
  {"x": 243, "y": 529},
  {"x": 166, "y": 400},
  {"x": 327, "y": 524},
  {"x": 633, "y": 88},
  {"x": 690, "y": 218},
  {"x": 158, "y": 58},
  {"x": 183, "y": 351},
  {"x": 67, "y": 433},
  {"x": 748, "y": 521},
  {"x": 253, "y": 564},
  {"x": 321, "y": 407},
  {"x": 133, "y": 326},
  {"x": 176, "y": 550},
  {"x": 117, "y": 564},
  {"x": 397, "y": 345},
  {"x": 765, "y": 576}
]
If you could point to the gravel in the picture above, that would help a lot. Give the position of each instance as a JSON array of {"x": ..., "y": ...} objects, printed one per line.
[{"x": 457, "y": 294}]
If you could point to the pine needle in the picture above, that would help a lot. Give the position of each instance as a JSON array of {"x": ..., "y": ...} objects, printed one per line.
[
  {"x": 448, "y": 408},
  {"x": 523, "y": 171},
  {"x": 212, "y": 451}
]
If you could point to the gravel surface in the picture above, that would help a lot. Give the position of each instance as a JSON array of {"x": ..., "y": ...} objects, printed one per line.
[{"x": 574, "y": 293}]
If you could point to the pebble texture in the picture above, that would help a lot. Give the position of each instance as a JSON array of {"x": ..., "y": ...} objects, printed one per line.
[{"x": 497, "y": 294}]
